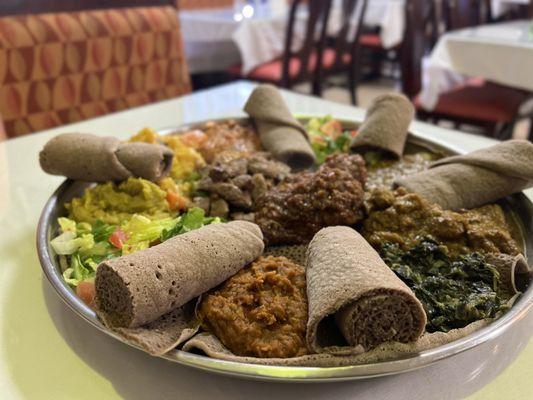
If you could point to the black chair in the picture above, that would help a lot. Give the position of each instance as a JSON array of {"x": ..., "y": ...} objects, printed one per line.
[
  {"x": 343, "y": 55},
  {"x": 491, "y": 107},
  {"x": 301, "y": 65}
]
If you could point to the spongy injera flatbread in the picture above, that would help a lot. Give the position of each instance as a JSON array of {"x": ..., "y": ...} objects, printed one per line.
[
  {"x": 295, "y": 253},
  {"x": 139, "y": 288},
  {"x": 163, "y": 334},
  {"x": 212, "y": 347},
  {"x": 146, "y": 160},
  {"x": 477, "y": 178},
  {"x": 280, "y": 133},
  {"x": 386, "y": 125},
  {"x": 347, "y": 280},
  {"x": 92, "y": 158},
  {"x": 515, "y": 273}
]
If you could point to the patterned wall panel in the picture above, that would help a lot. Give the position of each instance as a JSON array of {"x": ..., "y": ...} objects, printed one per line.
[
  {"x": 65, "y": 67},
  {"x": 197, "y": 4}
]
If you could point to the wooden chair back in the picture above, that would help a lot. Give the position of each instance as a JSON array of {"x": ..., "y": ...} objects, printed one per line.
[
  {"x": 313, "y": 41},
  {"x": 421, "y": 30},
  {"x": 459, "y": 14},
  {"x": 347, "y": 39}
]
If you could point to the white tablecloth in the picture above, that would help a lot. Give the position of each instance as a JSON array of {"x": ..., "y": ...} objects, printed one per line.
[
  {"x": 216, "y": 39},
  {"x": 499, "y": 7},
  {"x": 501, "y": 53}
]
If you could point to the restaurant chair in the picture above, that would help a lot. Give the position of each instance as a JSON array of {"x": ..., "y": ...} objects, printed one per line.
[
  {"x": 61, "y": 67},
  {"x": 374, "y": 52},
  {"x": 343, "y": 55},
  {"x": 460, "y": 14},
  {"x": 296, "y": 66},
  {"x": 488, "y": 106}
]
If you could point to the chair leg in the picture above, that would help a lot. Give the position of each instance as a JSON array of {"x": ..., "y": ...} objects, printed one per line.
[
  {"x": 316, "y": 87},
  {"x": 353, "y": 82}
]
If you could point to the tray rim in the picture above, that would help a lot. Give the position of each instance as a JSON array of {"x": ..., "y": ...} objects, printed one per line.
[{"x": 283, "y": 373}]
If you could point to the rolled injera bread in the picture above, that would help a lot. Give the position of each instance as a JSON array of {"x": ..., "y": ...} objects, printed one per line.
[
  {"x": 385, "y": 126},
  {"x": 349, "y": 282},
  {"x": 138, "y": 288},
  {"x": 146, "y": 160},
  {"x": 515, "y": 273},
  {"x": 280, "y": 133},
  {"x": 92, "y": 158},
  {"x": 477, "y": 178}
]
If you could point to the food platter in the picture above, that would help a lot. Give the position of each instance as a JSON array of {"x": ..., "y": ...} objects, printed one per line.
[{"x": 518, "y": 207}]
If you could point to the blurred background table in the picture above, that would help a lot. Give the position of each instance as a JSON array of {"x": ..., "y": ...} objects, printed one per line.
[
  {"x": 501, "y": 53},
  {"x": 48, "y": 352},
  {"x": 500, "y": 7},
  {"x": 217, "y": 38}
]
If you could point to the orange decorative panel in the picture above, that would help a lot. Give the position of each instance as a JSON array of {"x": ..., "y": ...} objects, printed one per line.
[
  {"x": 64, "y": 67},
  {"x": 196, "y": 4}
]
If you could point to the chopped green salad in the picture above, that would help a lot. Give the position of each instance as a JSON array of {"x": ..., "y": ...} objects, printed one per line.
[
  {"x": 86, "y": 244},
  {"x": 328, "y": 137}
]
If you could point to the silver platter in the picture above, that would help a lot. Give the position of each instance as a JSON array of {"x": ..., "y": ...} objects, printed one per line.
[{"x": 518, "y": 208}]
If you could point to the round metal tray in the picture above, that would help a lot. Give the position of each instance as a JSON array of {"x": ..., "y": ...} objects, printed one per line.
[{"x": 518, "y": 208}]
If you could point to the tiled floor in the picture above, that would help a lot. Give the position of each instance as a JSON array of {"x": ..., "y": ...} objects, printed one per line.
[{"x": 366, "y": 92}]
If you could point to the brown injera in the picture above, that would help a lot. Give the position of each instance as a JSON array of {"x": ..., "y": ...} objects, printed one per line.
[
  {"x": 349, "y": 285},
  {"x": 212, "y": 347},
  {"x": 136, "y": 289},
  {"x": 477, "y": 178},
  {"x": 280, "y": 133},
  {"x": 515, "y": 273},
  {"x": 386, "y": 125},
  {"x": 92, "y": 158},
  {"x": 146, "y": 160},
  {"x": 296, "y": 253},
  {"x": 165, "y": 333}
]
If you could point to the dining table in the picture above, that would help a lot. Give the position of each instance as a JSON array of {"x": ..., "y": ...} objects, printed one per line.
[
  {"x": 216, "y": 39},
  {"x": 500, "y": 7},
  {"x": 501, "y": 53},
  {"x": 48, "y": 352}
]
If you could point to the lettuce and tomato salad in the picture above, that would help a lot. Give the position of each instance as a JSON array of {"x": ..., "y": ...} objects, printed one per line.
[{"x": 84, "y": 245}]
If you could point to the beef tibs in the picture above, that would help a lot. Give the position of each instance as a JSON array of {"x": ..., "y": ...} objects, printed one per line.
[
  {"x": 234, "y": 182},
  {"x": 293, "y": 211}
]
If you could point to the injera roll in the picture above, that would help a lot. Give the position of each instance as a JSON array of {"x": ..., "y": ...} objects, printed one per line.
[
  {"x": 385, "y": 126},
  {"x": 280, "y": 133},
  {"x": 165, "y": 333},
  {"x": 347, "y": 280},
  {"x": 92, "y": 158},
  {"x": 146, "y": 160},
  {"x": 136, "y": 289},
  {"x": 515, "y": 273},
  {"x": 477, "y": 178}
]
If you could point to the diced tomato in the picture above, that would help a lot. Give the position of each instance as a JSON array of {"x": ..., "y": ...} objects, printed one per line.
[
  {"x": 85, "y": 291},
  {"x": 176, "y": 201},
  {"x": 332, "y": 128},
  {"x": 118, "y": 238},
  {"x": 194, "y": 138}
]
